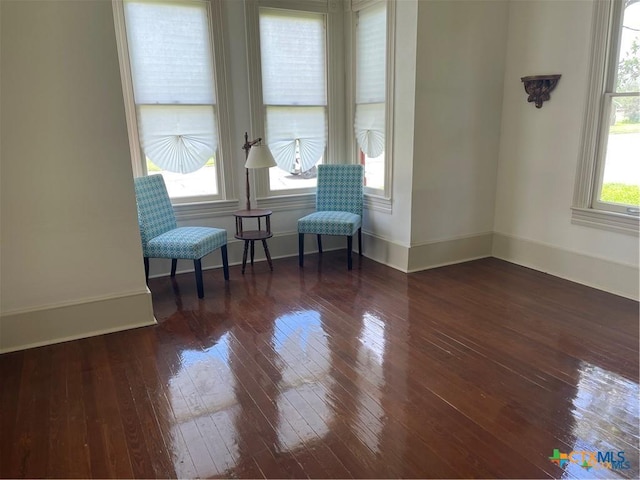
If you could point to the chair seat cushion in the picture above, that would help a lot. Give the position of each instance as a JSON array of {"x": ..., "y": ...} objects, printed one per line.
[
  {"x": 186, "y": 242},
  {"x": 330, "y": 223}
]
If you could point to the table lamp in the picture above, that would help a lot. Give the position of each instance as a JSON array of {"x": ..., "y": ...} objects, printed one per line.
[{"x": 257, "y": 155}]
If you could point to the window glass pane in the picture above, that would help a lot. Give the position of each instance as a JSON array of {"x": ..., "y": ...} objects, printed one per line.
[
  {"x": 373, "y": 170},
  {"x": 293, "y": 58},
  {"x": 281, "y": 180},
  {"x": 180, "y": 185},
  {"x": 628, "y": 72},
  {"x": 621, "y": 176},
  {"x": 170, "y": 52}
]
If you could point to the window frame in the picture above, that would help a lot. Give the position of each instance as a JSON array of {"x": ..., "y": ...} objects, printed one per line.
[
  {"x": 376, "y": 199},
  {"x": 188, "y": 207},
  {"x": 586, "y": 209},
  {"x": 299, "y": 197}
]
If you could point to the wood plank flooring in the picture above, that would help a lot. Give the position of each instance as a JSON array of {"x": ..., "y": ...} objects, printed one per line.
[{"x": 476, "y": 370}]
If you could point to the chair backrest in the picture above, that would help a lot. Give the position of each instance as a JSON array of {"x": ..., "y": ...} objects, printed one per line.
[
  {"x": 155, "y": 213},
  {"x": 340, "y": 188}
]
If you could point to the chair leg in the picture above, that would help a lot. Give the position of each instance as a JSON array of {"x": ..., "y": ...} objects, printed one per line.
[
  {"x": 349, "y": 248},
  {"x": 225, "y": 262},
  {"x": 174, "y": 264},
  {"x": 301, "y": 249},
  {"x": 319, "y": 243},
  {"x": 146, "y": 269},
  {"x": 198, "y": 264},
  {"x": 360, "y": 241}
]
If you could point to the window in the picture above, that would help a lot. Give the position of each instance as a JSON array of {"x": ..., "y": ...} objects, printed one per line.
[
  {"x": 294, "y": 94},
  {"x": 608, "y": 184},
  {"x": 371, "y": 93},
  {"x": 296, "y": 82},
  {"x": 168, "y": 70}
]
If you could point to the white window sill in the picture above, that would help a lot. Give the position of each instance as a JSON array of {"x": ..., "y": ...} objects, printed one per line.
[
  {"x": 288, "y": 202},
  {"x": 614, "y": 222},
  {"x": 200, "y": 210},
  {"x": 193, "y": 211}
]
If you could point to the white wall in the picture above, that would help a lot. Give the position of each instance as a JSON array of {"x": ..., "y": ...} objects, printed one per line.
[
  {"x": 69, "y": 232},
  {"x": 460, "y": 68},
  {"x": 539, "y": 150}
]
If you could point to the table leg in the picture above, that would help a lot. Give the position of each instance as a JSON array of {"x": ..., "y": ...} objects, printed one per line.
[
  {"x": 267, "y": 254},
  {"x": 252, "y": 251},
  {"x": 244, "y": 255}
]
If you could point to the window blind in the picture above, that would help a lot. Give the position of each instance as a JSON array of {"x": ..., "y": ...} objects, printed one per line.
[
  {"x": 293, "y": 58},
  {"x": 178, "y": 138},
  {"x": 172, "y": 74},
  {"x": 296, "y": 132},
  {"x": 292, "y": 47},
  {"x": 371, "y": 32}
]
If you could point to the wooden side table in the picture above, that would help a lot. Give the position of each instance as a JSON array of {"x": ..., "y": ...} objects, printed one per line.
[{"x": 250, "y": 236}]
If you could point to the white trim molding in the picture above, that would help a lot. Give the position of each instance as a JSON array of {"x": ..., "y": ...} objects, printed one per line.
[
  {"x": 603, "y": 274},
  {"x": 60, "y": 323},
  {"x": 612, "y": 221},
  {"x": 449, "y": 251}
]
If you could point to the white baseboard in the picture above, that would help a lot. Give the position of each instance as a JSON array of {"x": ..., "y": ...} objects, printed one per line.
[
  {"x": 618, "y": 278},
  {"x": 452, "y": 250},
  {"x": 34, "y": 328},
  {"x": 599, "y": 273},
  {"x": 386, "y": 252},
  {"x": 427, "y": 255}
]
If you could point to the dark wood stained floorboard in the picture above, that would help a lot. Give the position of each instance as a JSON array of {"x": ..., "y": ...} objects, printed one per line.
[{"x": 479, "y": 370}]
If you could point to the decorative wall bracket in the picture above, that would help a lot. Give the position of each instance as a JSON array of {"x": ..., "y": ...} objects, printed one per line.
[{"x": 539, "y": 87}]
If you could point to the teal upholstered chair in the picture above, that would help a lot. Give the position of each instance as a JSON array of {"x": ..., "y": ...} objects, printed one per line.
[
  {"x": 162, "y": 238},
  {"x": 338, "y": 208}
]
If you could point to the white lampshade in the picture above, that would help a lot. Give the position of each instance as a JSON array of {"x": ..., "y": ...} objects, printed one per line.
[{"x": 260, "y": 157}]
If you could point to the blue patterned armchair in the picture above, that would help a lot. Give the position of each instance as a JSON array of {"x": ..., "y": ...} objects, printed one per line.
[
  {"x": 162, "y": 238},
  {"x": 338, "y": 208}
]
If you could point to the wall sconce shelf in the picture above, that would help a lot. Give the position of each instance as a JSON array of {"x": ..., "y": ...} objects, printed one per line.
[{"x": 539, "y": 87}]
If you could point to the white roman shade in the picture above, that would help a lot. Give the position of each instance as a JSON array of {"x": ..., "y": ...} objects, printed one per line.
[
  {"x": 173, "y": 82},
  {"x": 178, "y": 138},
  {"x": 292, "y": 47},
  {"x": 302, "y": 127},
  {"x": 371, "y": 70},
  {"x": 293, "y": 58},
  {"x": 369, "y": 128}
]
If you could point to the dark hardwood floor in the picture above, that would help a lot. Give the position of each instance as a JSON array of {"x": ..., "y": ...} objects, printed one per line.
[{"x": 480, "y": 369}]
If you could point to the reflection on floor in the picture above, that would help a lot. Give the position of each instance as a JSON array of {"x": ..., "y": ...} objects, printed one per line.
[{"x": 483, "y": 369}]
